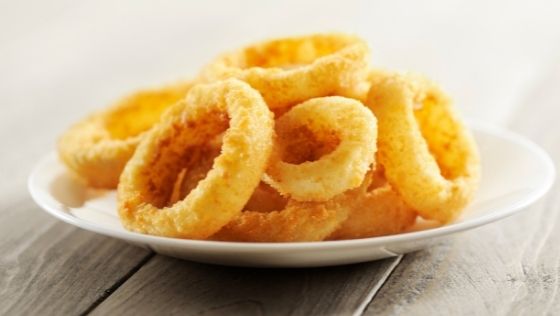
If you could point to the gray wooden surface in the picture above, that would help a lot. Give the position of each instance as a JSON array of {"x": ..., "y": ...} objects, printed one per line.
[{"x": 60, "y": 61}]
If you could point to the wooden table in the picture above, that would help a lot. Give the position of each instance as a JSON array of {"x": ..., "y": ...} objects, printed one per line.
[{"x": 59, "y": 66}]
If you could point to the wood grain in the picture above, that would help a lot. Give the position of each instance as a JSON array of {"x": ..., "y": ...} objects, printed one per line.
[
  {"x": 508, "y": 268},
  {"x": 168, "y": 286},
  {"x": 51, "y": 268}
]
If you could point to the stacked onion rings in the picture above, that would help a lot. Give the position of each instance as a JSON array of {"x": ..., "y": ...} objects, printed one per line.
[
  {"x": 288, "y": 140},
  {"x": 312, "y": 211},
  {"x": 315, "y": 208}
]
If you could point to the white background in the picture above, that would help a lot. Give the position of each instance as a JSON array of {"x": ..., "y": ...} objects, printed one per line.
[{"x": 61, "y": 59}]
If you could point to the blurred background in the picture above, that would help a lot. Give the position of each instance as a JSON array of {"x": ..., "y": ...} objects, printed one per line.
[{"x": 61, "y": 59}]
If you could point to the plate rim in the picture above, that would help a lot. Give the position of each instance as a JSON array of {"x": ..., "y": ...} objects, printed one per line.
[{"x": 387, "y": 240}]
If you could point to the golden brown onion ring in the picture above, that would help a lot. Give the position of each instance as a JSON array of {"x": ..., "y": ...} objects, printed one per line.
[
  {"x": 147, "y": 181},
  {"x": 430, "y": 158},
  {"x": 297, "y": 221},
  {"x": 97, "y": 148},
  {"x": 291, "y": 70},
  {"x": 343, "y": 169}
]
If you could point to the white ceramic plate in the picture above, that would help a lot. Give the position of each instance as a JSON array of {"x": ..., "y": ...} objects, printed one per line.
[{"x": 515, "y": 171}]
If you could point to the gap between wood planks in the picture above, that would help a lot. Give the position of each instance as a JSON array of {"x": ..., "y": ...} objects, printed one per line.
[
  {"x": 375, "y": 289},
  {"x": 108, "y": 292}
]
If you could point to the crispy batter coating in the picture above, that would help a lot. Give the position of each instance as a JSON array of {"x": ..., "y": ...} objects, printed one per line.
[
  {"x": 354, "y": 127},
  {"x": 97, "y": 148},
  {"x": 375, "y": 209},
  {"x": 206, "y": 159},
  {"x": 297, "y": 221},
  {"x": 147, "y": 181},
  {"x": 430, "y": 158},
  {"x": 291, "y": 70}
]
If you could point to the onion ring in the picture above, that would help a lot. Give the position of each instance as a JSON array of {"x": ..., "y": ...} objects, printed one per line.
[
  {"x": 147, "y": 181},
  {"x": 297, "y": 221},
  {"x": 97, "y": 148},
  {"x": 430, "y": 158},
  {"x": 376, "y": 209},
  {"x": 288, "y": 71},
  {"x": 340, "y": 170},
  {"x": 267, "y": 216}
]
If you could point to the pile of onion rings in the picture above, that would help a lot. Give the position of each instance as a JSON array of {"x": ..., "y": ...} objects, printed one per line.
[{"x": 286, "y": 140}]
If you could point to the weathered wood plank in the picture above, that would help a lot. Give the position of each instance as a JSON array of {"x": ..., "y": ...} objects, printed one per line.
[
  {"x": 169, "y": 286},
  {"x": 507, "y": 268},
  {"x": 50, "y": 268}
]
